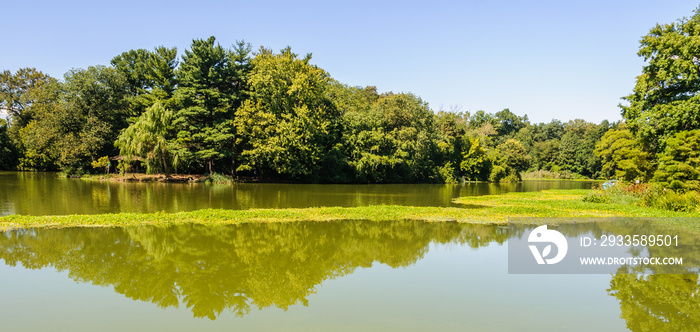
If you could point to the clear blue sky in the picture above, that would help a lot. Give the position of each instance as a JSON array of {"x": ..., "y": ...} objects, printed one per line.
[{"x": 547, "y": 59}]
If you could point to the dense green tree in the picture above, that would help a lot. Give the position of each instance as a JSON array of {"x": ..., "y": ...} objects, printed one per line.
[
  {"x": 38, "y": 151},
  {"x": 354, "y": 103},
  {"x": 577, "y": 146},
  {"x": 352, "y": 100},
  {"x": 25, "y": 94},
  {"x": 453, "y": 141},
  {"x": 19, "y": 92},
  {"x": 151, "y": 138},
  {"x": 508, "y": 124},
  {"x": 679, "y": 163},
  {"x": 480, "y": 118},
  {"x": 289, "y": 127},
  {"x": 551, "y": 130},
  {"x": 544, "y": 155},
  {"x": 475, "y": 165},
  {"x": 622, "y": 156},
  {"x": 150, "y": 76},
  {"x": 509, "y": 159},
  {"x": 207, "y": 95},
  {"x": 133, "y": 65},
  {"x": 82, "y": 126},
  {"x": 542, "y": 140},
  {"x": 8, "y": 151},
  {"x": 396, "y": 142},
  {"x": 665, "y": 99},
  {"x": 274, "y": 115}
]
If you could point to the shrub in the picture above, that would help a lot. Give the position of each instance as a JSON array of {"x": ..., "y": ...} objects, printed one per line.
[
  {"x": 218, "y": 178},
  {"x": 672, "y": 200},
  {"x": 498, "y": 173},
  {"x": 679, "y": 163},
  {"x": 646, "y": 195}
]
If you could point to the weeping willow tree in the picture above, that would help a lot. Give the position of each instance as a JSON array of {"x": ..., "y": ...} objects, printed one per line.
[{"x": 150, "y": 138}]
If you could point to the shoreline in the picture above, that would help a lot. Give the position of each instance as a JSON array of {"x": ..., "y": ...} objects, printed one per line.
[
  {"x": 202, "y": 178},
  {"x": 141, "y": 177}
]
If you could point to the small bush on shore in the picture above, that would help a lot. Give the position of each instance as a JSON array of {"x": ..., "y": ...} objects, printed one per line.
[
  {"x": 644, "y": 194},
  {"x": 218, "y": 178},
  {"x": 544, "y": 174}
]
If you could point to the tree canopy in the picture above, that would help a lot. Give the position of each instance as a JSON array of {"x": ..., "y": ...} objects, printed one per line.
[
  {"x": 665, "y": 99},
  {"x": 275, "y": 116}
]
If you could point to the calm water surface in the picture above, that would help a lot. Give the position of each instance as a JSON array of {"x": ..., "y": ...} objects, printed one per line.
[
  {"x": 48, "y": 194},
  {"x": 307, "y": 276},
  {"x": 333, "y": 276}
]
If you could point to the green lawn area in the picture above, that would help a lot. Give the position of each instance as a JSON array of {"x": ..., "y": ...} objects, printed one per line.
[{"x": 492, "y": 209}]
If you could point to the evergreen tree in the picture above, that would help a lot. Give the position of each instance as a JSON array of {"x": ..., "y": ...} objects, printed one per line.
[{"x": 209, "y": 89}]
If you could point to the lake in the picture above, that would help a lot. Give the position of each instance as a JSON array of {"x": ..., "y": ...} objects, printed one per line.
[
  {"x": 49, "y": 194},
  {"x": 305, "y": 276},
  {"x": 315, "y": 276}
]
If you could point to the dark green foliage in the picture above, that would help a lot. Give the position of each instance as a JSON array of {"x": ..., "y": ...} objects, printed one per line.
[
  {"x": 510, "y": 159},
  {"x": 542, "y": 140},
  {"x": 480, "y": 118},
  {"x": 150, "y": 76},
  {"x": 20, "y": 91},
  {"x": 8, "y": 151},
  {"x": 452, "y": 128},
  {"x": 679, "y": 163},
  {"x": 89, "y": 117},
  {"x": 273, "y": 115},
  {"x": 559, "y": 147},
  {"x": 396, "y": 141},
  {"x": 207, "y": 94},
  {"x": 508, "y": 124},
  {"x": 75, "y": 122},
  {"x": 665, "y": 99},
  {"x": 25, "y": 95},
  {"x": 577, "y": 145},
  {"x": 279, "y": 117}
]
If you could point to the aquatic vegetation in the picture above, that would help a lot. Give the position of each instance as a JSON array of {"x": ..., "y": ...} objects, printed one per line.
[{"x": 488, "y": 209}]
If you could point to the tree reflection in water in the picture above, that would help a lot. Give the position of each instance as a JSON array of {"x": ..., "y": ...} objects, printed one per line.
[
  {"x": 210, "y": 269},
  {"x": 663, "y": 302}
]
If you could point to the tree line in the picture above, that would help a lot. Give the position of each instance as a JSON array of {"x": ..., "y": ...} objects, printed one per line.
[{"x": 274, "y": 115}]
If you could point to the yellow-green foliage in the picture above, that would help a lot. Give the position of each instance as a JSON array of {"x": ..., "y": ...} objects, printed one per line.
[
  {"x": 621, "y": 155},
  {"x": 475, "y": 209},
  {"x": 103, "y": 162}
]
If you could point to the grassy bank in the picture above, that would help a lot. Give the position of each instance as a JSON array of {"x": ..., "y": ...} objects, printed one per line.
[{"x": 496, "y": 209}]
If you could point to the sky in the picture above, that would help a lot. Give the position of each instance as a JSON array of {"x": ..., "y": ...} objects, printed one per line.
[{"x": 547, "y": 59}]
